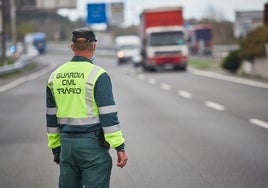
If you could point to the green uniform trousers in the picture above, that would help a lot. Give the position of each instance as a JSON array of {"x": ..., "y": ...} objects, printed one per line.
[{"x": 84, "y": 161}]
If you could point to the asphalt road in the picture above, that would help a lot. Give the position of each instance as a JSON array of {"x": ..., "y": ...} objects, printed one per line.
[{"x": 182, "y": 129}]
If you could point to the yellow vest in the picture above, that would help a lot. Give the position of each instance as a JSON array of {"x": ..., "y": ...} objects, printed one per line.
[{"x": 72, "y": 85}]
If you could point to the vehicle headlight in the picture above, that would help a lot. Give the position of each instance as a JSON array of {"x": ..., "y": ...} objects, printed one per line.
[{"x": 120, "y": 54}]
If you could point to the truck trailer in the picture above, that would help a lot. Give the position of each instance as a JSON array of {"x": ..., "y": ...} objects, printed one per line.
[{"x": 163, "y": 38}]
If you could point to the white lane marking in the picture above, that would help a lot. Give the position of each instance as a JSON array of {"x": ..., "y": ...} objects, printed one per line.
[
  {"x": 259, "y": 123},
  {"x": 151, "y": 81},
  {"x": 214, "y": 105},
  {"x": 141, "y": 77},
  {"x": 185, "y": 94},
  {"x": 26, "y": 78},
  {"x": 228, "y": 78},
  {"x": 165, "y": 87}
]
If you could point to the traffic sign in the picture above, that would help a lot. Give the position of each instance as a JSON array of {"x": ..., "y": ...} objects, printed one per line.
[
  {"x": 52, "y": 4},
  {"x": 117, "y": 13},
  {"x": 96, "y": 13}
]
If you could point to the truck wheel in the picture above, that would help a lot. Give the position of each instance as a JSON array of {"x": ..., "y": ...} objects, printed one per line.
[
  {"x": 147, "y": 68},
  {"x": 120, "y": 62},
  {"x": 180, "y": 67},
  {"x": 184, "y": 67},
  {"x": 177, "y": 67}
]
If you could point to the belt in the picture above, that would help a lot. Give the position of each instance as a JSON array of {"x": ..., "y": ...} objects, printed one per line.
[{"x": 79, "y": 134}]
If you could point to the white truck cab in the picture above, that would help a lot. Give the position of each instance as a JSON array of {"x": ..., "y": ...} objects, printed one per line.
[
  {"x": 128, "y": 48},
  {"x": 166, "y": 46}
]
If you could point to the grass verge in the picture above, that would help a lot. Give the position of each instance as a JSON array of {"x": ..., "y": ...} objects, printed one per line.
[{"x": 200, "y": 64}]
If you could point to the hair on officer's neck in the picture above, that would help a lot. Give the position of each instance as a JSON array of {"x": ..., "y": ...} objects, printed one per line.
[{"x": 86, "y": 51}]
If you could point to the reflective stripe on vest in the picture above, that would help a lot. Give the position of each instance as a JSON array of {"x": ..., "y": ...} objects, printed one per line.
[
  {"x": 90, "y": 102},
  {"x": 79, "y": 121},
  {"x": 53, "y": 130},
  {"x": 72, "y": 86},
  {"x": 51, "y": 111},
  {"x": 107, "y": 109},
  {"x": 111, "y": 129}
]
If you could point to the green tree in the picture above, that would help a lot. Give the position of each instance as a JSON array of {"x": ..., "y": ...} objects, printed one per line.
[{"x": 254, "y": 44}]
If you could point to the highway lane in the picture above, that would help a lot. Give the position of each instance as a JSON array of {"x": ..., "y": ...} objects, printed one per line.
[
  {"x": 241, "y": 100},
  {"x": 25, "y": 160},
  {"x": 173, "y": 138},
  {"x": 185, "y": 143}
]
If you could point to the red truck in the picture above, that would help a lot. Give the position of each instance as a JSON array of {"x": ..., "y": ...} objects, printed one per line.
[{"x": 163, "y": 38}]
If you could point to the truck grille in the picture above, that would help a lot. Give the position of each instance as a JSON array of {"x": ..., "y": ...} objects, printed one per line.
[{"x": 168, "y": 53}]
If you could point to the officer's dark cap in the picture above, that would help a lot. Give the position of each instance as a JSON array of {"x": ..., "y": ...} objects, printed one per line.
[{"x": 84, "y": 33}]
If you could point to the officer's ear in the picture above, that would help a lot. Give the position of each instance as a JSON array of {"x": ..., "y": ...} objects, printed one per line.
[
  {"x": 72, "y": 46},
  {"x": 94, "y": 46}
]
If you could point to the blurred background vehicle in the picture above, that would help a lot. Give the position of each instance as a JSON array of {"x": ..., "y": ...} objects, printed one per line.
[
  {"x": 163, "y": 38},
  {"x": 200, "y": 39},
  {"x": 128, "y": 49},
  {"x": 36, "y": 40}
]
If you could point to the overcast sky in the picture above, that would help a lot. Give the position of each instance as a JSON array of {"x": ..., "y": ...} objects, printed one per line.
[{"x": 191, "y": 8}]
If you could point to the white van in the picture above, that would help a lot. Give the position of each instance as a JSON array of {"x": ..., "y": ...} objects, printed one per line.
[{"x": 128, "y": 49}]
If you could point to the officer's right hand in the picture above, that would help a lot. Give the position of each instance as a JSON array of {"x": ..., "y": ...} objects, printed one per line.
[
  {"x": 56, "y": 154},
  {"x": 121, "y": 159}
]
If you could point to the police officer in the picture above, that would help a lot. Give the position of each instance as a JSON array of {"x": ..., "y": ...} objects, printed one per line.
[{"x": 82, "y": 121}]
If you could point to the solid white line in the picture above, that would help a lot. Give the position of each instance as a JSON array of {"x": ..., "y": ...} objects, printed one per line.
[
  {"x": 185, "y": 94},
  {"x": 25, "y": 78},
  {"x": 165, "y": 87},
  {"x": 260, "y": 123},
  {"x": 151, "y": 81},
  {"x": 214, "y": 105},
  {"x": 228, "y": 78}
]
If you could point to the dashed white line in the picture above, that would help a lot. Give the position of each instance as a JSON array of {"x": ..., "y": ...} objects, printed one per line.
[
  {"x": 258, "y": 122},
  {"x": 141, "y": 77},
  {"x": 165, "y": 87},
  {"x": 214, "y": 105},
  {"x": 185, "y": 94},
  {"x": 151, "y": 81},
  {"x": 210, "y": 104}
]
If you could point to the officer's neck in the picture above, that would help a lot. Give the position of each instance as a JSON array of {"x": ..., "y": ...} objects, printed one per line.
[{"x": 85, "y": 54}]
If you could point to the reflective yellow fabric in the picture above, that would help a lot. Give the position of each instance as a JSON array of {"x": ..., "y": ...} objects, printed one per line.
[
  {"x": 72, "y": 86},
  {"x": 69, "y": 89},
  {"x": 53, "y": 140},
  {"x": 115, "y": 139}
]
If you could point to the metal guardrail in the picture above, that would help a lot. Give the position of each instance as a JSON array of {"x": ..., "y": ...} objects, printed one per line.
[
  {"x": 64, "y": 47},
  {"x": 23, "y": 60},
  {"x": 20, "y": 63}
]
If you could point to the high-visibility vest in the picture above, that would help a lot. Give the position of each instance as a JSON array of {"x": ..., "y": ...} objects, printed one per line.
[{"x": 72, "y": 85}]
